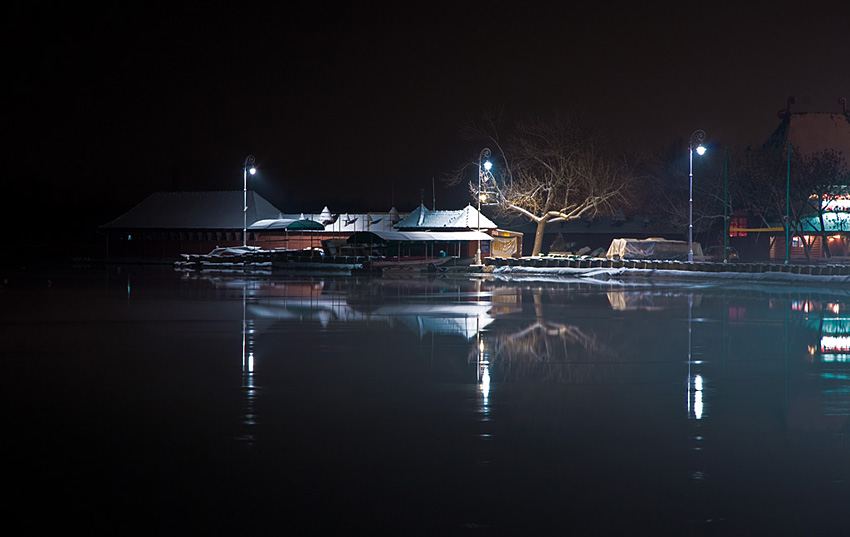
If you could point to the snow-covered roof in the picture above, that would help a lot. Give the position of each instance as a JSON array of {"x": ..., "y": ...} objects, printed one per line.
[
  {"x": 813, "y": 132},
  {"x": 354, "y": 222},
  {"x": 467, "y": 218},
  {"x": 299, "y": 224},
  {"x": 430, "y": 236},
  {"x": 194, "y": 210}
]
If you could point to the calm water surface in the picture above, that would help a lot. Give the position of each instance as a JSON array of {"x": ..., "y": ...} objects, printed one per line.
[{"x": 145, "y": 401}]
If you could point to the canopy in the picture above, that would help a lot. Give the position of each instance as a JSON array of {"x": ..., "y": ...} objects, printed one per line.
[
  {"x": 305, "y": 224},
  {"x": 288, "y": 224}
]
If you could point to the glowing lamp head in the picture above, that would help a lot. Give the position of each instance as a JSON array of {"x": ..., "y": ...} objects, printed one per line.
[
  {"x": 488, "y": 165},
  {"x": 252, "y": 170},
  {"x": 700, "y": 150}
]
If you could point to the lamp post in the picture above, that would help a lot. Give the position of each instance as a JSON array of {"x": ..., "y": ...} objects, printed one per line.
[
  {"x": 247, "y": 167},
  {"x": 788, "y": 207},
  {"x": 483, "y": 166},
  {"x": 698, "y": 136},
  {"x": 726, "y": 205}
]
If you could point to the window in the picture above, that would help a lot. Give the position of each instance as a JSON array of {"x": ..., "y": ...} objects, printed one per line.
[{"x": 736, "y": 223}]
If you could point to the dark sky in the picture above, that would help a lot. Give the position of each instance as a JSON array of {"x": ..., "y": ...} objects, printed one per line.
[{"x": 359, "y": 106}]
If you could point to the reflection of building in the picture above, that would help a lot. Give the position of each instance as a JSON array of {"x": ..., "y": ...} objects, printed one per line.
[
  {"x": 833, "y": 329},
  {"x": 822, "y": 402},
  {"x": 623, "y": 300},
  {"x": 464, "y": 319}
]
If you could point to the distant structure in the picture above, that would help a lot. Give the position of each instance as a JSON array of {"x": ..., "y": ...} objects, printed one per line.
[
  {"x": 423, "y": 219},
  {"x": 812, "y": 132},
  {"x": 502, "y": 243},
  {"x": 808, "y": 134},
  {"x": 593, "y": 235},
  {"x": 168, "y": 224}
]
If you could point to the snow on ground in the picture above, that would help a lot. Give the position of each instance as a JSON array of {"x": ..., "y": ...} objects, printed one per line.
[{"x": 626, "y": 276}]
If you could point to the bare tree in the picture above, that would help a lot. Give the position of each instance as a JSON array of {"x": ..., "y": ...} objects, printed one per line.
[
  {"x": 821, "y": 179},
  {"x": 815, "y": 180},
  {"x": 551, "y": 170}
]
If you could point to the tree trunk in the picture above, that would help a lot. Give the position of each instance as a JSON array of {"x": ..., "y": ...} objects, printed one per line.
[
  {"x": 538, "y": 237},
  {"x": 824, "y": 241}
]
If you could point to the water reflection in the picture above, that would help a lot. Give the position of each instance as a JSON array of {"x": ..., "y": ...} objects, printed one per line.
[
  {"x": 249, "y": 389},
  {"x": 483, "y": 370},
  {"x": 695, "y": 387},
  {"x": 596, "y": 373},
  {"x": 527, "y": 332}
]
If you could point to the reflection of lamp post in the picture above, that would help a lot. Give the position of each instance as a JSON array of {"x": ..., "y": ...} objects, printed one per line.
[
  {"x": 696, "y": 403},
  {"x": 483, "y": 166},
  {"x": 248, "y": 167},
  {"x": 248, "y": 386},
  {"x": 698, "y": 136},
  {"x": 482, "y": 365}
]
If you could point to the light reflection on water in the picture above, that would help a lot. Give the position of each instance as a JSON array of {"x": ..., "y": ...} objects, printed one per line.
[{"x": 438, "y": 404}]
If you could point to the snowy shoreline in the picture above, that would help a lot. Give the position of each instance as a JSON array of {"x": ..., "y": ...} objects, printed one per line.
[{"x": 606, "y": 274}]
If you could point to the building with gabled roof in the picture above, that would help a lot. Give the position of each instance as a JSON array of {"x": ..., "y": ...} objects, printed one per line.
[
  {"x": 809, "y": 134},
  {"x": 502, "y": 243},
  {"x": 813, "y": 132},
  {"x": 336, "y": 223},
  {"x": 314, "y": 230},
  {"x": 193, "y": 210},
  {"x": 167, "y": 224},
  {"x": 424, "y": 219}
]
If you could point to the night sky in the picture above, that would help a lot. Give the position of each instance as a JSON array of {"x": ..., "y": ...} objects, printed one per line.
[{"x": 360, "y": 107}]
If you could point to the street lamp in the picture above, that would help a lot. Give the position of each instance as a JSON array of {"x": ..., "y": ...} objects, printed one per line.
[
  {"x": 247, "y": 167},
  {"x": 698, "y": 136},
  {"x": 483, "y": 167}
]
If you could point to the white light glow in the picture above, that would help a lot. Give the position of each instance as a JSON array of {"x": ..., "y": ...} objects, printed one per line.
[
  {"x": 695, "y": 400},
  {"x": 252, "y": 170},
  {"x": 485, "y": 384},
  {"x": 700, "y": 150},
  {"x": 836, "y": 204},
  {"x": 835, "y": 344},
  {"x": 488, "y": 165}
]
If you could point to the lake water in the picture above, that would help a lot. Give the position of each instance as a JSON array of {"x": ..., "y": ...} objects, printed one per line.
[{"x": 140, "y": 400}]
